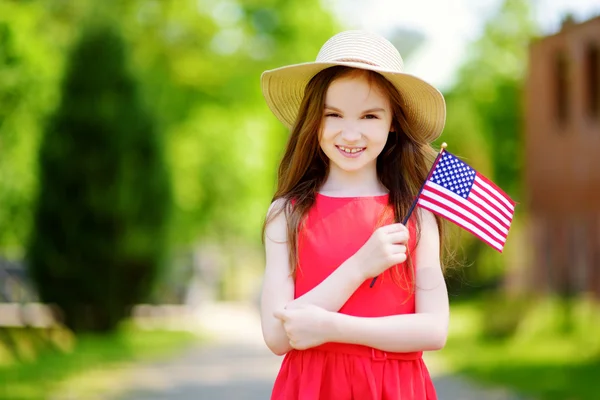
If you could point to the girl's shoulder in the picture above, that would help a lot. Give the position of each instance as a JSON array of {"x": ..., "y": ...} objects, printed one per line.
[
  {"x": 424, "y": 220},
  {"x": 276, "y": 207},
  {"x": 275, "y": 227}
]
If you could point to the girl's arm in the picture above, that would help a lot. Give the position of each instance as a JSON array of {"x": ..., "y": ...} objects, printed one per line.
[
  {"x": 278, "y": 285},
  {"x": 427, "y": 329}
]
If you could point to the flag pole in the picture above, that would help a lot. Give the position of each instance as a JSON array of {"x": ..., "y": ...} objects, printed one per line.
[{"x": 414, "y": 203}]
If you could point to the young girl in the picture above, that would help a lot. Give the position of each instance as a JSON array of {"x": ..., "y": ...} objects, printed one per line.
[{"x": 357, "y": 156}]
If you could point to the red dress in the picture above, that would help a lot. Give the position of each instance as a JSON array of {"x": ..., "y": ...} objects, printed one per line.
[{"x": 334, "y": 230}]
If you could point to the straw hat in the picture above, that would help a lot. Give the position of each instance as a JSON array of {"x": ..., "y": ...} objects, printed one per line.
[{"x": 424, "y": 105}]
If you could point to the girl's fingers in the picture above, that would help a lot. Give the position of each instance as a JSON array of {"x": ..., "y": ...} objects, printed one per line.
[
  {"x": 281, "y": 314},
  {"x": 393, "y": 228},
  {"x": 398, "y": 237},
  {"x": 398, "y": 249}
]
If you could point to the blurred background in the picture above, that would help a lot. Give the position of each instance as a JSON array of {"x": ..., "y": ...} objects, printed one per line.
[{"x": 138, "y": 159}]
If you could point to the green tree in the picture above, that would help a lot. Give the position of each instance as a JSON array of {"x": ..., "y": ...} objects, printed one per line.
[{"x": 102, "y": 212}]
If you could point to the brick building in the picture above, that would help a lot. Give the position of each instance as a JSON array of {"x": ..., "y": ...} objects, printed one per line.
[{"x": 562, "y": 159}]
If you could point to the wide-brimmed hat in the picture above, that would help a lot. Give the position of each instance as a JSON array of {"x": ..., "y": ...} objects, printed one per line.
[{"x": 424, "y": 105}]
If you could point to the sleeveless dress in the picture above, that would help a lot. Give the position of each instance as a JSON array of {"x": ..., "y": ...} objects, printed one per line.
[{"x": 334, "y": 229}]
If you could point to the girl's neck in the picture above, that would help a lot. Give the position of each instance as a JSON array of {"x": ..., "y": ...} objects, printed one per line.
[{"x": 363, "y": 182}]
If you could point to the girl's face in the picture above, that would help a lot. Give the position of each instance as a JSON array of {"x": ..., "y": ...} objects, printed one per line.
[{"x": 356, "y": 123}]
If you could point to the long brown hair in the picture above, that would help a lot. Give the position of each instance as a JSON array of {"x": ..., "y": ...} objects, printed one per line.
[{"x": 402, "y": 166}]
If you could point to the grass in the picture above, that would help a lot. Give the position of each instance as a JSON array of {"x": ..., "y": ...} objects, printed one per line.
[
  {"x": 83, "y": 367},
  {"x": 542, "y": 356}
]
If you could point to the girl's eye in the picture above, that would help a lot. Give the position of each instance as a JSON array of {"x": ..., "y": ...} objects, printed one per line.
[
  {"x": 370, "y": 116},
  {"x": 332, "y": 115}
]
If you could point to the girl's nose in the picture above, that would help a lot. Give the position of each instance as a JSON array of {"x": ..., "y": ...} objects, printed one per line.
[{"x": 351, "y": 134}]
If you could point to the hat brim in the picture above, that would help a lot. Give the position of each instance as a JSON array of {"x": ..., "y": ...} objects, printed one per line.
[{"x": 424, "y": 105}]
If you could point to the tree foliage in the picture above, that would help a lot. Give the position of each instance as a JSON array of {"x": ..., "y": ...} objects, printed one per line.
[{"x": 101, "y": 218}]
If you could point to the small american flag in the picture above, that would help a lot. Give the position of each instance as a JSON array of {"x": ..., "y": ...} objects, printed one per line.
[{"x": 462, "y": 195}]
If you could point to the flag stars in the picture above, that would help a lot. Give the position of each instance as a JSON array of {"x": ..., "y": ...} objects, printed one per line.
[{"x": 455, "y": 175}]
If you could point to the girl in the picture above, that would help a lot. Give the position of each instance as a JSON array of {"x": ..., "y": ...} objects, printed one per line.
[{"x": 358, "y": 153}]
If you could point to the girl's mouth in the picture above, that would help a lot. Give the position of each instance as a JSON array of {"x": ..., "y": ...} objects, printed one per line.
[{"x": 351, "y": 152}]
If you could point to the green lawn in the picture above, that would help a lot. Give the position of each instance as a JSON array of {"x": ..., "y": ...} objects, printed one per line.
[
  {"x": 87, "y": 365},
  {"x": 544, "y": 357}
]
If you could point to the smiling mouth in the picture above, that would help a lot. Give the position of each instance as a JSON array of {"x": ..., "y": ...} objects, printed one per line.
[{"x": 351, "y": 150}]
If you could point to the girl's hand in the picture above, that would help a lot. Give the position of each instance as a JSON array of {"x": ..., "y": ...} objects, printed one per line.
[
  {"x": 385, "y": 248},
  {"x": 306, "y": 325}
]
